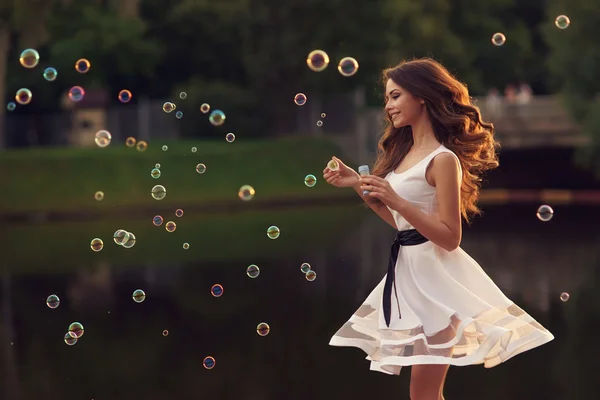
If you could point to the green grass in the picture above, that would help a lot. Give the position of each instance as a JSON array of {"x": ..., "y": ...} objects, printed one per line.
[{"x": 65, "y": 179}]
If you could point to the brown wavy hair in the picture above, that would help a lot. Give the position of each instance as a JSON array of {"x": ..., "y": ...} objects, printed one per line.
[{"x": 456, "y": 122}]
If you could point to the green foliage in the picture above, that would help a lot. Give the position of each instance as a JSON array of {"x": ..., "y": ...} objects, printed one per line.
[{"x": 574, "y": 62}]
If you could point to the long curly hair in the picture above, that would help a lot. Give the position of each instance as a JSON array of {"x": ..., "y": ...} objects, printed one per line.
[{"x": 456, "y": 122}]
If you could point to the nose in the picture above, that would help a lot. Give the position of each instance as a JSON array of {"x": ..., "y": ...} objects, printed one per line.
[{"x": 387, "y": 106}]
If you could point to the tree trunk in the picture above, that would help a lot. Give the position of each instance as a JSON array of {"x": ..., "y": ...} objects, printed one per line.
[{"x": 4, "y": 50}]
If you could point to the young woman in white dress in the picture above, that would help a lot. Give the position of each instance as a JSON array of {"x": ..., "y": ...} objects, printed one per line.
[{"x": 436, "y": 306}]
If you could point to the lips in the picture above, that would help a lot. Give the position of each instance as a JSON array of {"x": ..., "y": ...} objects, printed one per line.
[{"x": 394, "y": 115}]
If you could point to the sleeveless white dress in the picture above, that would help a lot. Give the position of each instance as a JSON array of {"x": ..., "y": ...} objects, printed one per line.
[{"x": 452, "y": 312}]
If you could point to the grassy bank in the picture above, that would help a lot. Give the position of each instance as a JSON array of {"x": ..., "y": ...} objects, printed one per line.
[{"x": 65, "y": 179}]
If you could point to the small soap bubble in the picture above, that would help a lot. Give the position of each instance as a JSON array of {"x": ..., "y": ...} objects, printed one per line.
[
  {"x": 23, "y": 96},
  {"x": 305, "y": 267},
  {"x": 102, "y": 138},
  {"x": 138, "y": 296},
  {"x": 319, "y": 123},
  {"x": 186, "y": 246},
  {"x": 165, "y": 147},
  {"x": 263, "y": 329},
  {"x": 209, "y": 362},
  {"x": 252, "y": 271},
  {"x": 165, "y": 333},
  {"x": 246, "y": 193},
  {"x": 125, "y": 96},
  {"x": 348, "y": 66},
  {"x": 273, "y": 232},
  {"x": 323, "y": 115},
  {"x": 311, "y": 275},
  {"x": 230, "y": 137},
  {"x": 120, "y": 236},
  {"x": 53, "y": 301},
  {"x": 168, "y": 107},
  {"x": 562, "y": 22},
  {"x": 158, "y": 192},
  {"x": 179, "y": 114},
  {"x": 130, "y": 141},
  {"x": 70, "y": 338},
  {"x": 216, "y": 290},
  {"x": 97, "y": 244},
  {"x": 130, "y": 242},
  {"x": 545, "y": 213},
  {"x": 498, "y": 39},
  {"x": 157, "y": 220},
  {"x": 77, "y": 329},
  {"x": 11, "y": 106},
  {"x": 99, "y": 195},
  {"x": 29, "y": 58},
  {"x": 141, "y": 146},
  {"x": 317, "y": 60},
  {"x": 157, "y": 165},
  {"x": 76, "y": 93},
  {"x": 200, "y": 168},
  {"x": 205, "y": 108},
  {"x": 82, "y": 66},
  {"x": 179, "y": 213},
  {"x": 310, "y": 180},
  {"x": 217, "y": 118},
  {"x": 333, "y": 165},
  {"x": 194, "y": 149},
  {"x": 183, "y": 95},
  {"x": 300, "y": 99},
  {"x": 50, "y": 74},
  {"x": 564, "y": 296},
  {"x": 170, "y": 226},
  {"x": 155, "y": 173}
]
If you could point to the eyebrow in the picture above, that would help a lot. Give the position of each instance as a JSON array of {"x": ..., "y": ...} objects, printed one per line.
[{"x": 392, "y": 91}]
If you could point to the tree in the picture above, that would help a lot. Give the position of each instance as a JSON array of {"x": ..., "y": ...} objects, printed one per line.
[{"x": 574, "y": 62}]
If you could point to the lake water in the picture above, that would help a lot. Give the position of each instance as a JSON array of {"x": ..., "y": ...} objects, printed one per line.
[{"x": 124, "y": 354}]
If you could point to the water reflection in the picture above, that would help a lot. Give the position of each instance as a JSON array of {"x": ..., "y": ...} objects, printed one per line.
[{"x": 124, "y": 353}]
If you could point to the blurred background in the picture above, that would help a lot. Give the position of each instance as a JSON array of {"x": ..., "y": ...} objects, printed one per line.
[{"x": 248, "y": 59}]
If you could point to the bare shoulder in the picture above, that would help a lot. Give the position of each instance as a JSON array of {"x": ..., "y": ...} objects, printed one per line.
[{"x": 445, "y": 167}]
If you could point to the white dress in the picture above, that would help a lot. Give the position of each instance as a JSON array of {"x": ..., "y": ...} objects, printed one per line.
[{"x": 452, "y": 312}]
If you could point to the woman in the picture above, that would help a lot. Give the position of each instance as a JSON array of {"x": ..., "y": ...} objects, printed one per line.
[{"x": 436, "y": 307}]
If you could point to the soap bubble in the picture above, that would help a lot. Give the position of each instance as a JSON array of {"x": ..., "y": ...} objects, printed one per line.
[
  {"x": 319, "y": 123},
  {"x": 138, "y": 296},
  {"x": 130, "y": 141},
  {"x": 317, "y": 60},
  {"x": 194, "y": 149},
  {"x": 217, "y": 118},
  {"x": 216, "y": 290},
  {"x": 263, "y": 329},
  {"x": 300, "y": 99},
  {"x": 186, "y": 246},
  {"x": 273, "y": 232},
  {"x": 204, "y": 108},
  {"x": 179, "y": 114},
  {"x": 305, "y": 267},
  {"x": 120, "y": 236},
  {"x": 562, "y": 22},
  {"x": 102, "y": 138},
  {"x": 29, "y": 58},
  {"x": 209, "y": 362},
  {"x": 545, "y": 213},
  {"x": 82, "y": 66},
  {"x": 183, "y": 95},
  {"x": 498, "y": 39},
  {"x": 99, "y": 195},
  {"x": 348, "y": 66},
  {"x": 170, "y": 226},
  {"x": 97, "y": 244},
  {"x": 246, "y": 193},
  {"x": 50, "y": 74},
  {"x": 141, "y": 146},
  {"x": 76, "y": 93},
  {"x": 564, "y": 296},
  {"x": 200, "y": 168},
  {"x": 125, "y": 96},
  {"x": 168, "y": 107},
  {"x": 179, "y": 213},
  {"x": 53, "y": 301},
  {"x": 77, "y": 329},
  {"x": 130, "y": 241},
  {"x": 70, "y": 338},
  {"x": 323, "y": 115},
  {"x": 165, "y": 147},
  {"x": 311, "y": 275},
  {"x": 11, "y": 106},
  {"x": 252, "y": 271},
  {"x": 155, "y": 173},
  {"x": 159, "y": 192},
  {"x": 230, "y": 137},
  {"x": 157, "y": 220},
  {"x": 23, "y": 96},
  {"x": 310, "y": 180}
]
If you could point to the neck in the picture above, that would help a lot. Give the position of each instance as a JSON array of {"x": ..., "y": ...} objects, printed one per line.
[{"x": 423, "y": 136}]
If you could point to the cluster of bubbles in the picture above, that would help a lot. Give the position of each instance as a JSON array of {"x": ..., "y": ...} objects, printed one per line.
[
  {"x": 308, "y": 272},
  {"x": 561, "y": 22},
  {"x": 124, "y": 238},
  {"x": 74, "y": 333},
  {"x": 318, "y": 60}
]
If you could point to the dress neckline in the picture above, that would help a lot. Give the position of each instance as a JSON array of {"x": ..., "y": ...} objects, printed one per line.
[{"x": 419, "y": 162}]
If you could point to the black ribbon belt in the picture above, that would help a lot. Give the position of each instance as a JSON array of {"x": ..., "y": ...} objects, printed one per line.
[{"x": 409, "y": 237}]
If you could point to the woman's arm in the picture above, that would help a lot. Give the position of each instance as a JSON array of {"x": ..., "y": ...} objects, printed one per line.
[
  {"x": 377, "y": 206},
  {"x": 444, "y": 230}
]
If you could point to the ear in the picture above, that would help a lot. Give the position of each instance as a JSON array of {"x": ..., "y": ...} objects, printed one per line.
[{"x": 421, "y": 101}]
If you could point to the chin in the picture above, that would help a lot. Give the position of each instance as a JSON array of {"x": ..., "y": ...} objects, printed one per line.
[{"x": 400, "y": 124}]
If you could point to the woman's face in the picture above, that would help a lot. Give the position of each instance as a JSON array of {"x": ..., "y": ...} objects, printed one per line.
[{"x": 402, "y": 107}]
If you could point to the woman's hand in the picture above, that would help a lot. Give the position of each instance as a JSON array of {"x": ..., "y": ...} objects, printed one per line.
[
  {"x": 344, "y": 176},
  {"x": 382, "y": 190}
]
